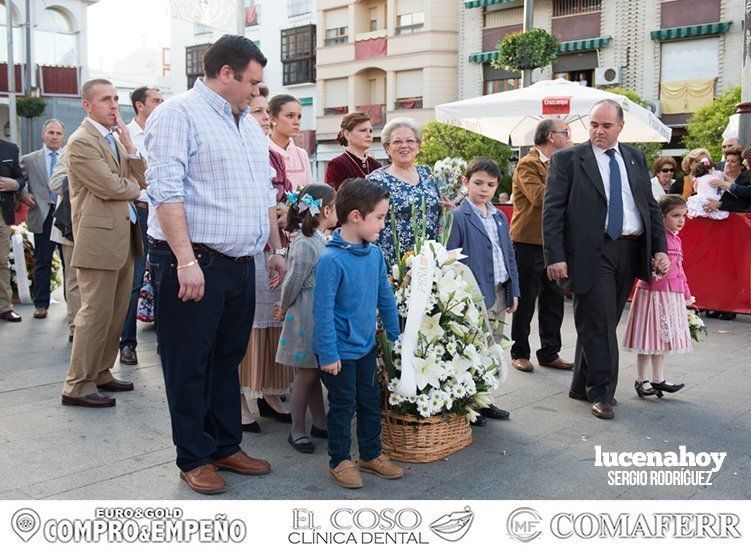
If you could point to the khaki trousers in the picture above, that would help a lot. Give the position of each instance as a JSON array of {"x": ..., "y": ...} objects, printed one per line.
[
  {"x": 72, "y": 293},
  {"x": 6, "y": 295},
  {"x": 105, "y": 296},
  {"x": 497, "y": 313}
]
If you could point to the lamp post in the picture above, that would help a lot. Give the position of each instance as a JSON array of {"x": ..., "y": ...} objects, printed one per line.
[
  {"x": 12, "y": 118},
  {"x": 529, "y": 20},
  {"x": 744, "y": 107}
]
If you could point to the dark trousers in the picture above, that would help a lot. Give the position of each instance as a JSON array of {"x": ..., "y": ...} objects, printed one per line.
[
  {"x": 43, "y": 250},
  {"x": 597, "y": 314},
  {"x": 354, "y": 388},
  {"x": 128, "y": 335},
  {"x": 202, "y": 344},
  {"x": 546, "y": 295}
]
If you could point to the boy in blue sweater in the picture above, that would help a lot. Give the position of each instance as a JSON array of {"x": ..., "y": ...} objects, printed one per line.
[{"x": 350, "y": 285}]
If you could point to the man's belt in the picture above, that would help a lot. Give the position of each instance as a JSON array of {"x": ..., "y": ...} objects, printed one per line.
[{"x": 202, "y": 248}]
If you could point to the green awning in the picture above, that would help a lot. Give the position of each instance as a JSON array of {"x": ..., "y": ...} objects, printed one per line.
[
  {"x": 676, "y": 33},
  {"x": 483, "y": 57},
  {"x": 483, "y": 3},
  {"x": 583, "y": 45}
]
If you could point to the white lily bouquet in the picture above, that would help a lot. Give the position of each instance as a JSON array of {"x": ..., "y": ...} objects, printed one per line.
[
  {"x": 695, "y": 325},
  {"x": 448, "y": 175},
  {"x": 446, "y": 360}
]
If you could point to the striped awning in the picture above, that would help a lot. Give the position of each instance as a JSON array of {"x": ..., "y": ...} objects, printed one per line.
[
  {"x": 583, "y": 45},
  {"x": 484, "y": 57},
  {"x": 483, "y": 3},
  {"x": 691, "y": 31}
]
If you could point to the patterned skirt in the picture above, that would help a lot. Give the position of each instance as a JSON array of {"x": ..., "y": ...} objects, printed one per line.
[{"x": 657, "y": 324}]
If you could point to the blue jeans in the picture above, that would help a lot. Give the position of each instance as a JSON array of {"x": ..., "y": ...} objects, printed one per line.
[
  {"x": 202, "y": 344},
  {"x": 128, "y": 335},
  {"x": 355, "y": 387},
  {"x": 43, "y": 250}
]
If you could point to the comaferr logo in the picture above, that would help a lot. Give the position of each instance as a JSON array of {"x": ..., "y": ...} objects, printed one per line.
[{"x": 556, "y": 105}]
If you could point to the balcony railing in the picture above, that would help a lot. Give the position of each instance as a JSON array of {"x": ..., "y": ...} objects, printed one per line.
[
  {"x": 376, "y": 112},
  {"x": 408, "y": 103},
  {"x": 332, "y": 111}
]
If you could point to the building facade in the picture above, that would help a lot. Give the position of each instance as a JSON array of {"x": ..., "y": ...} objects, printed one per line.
[
  {"x": 284, "y": 30},
  {"x": 59, "y": 59},
  {"x": 388, "y": 58},
  {"x": 677, "y": 54}
]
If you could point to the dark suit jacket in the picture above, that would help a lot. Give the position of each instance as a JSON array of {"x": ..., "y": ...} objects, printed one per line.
[
  {"x": 10, "y": 167},
  {"x": 575, "y": 207},
  {"x": 469, "y": 234}
]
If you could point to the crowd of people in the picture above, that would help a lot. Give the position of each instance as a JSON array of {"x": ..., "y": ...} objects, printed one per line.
[{"x": 267, "y": 284}]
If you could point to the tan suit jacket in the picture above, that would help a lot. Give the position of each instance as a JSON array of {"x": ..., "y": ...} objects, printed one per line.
[
  {"x": 528, "y": 190},
  {"x": 100, "y": 190}
]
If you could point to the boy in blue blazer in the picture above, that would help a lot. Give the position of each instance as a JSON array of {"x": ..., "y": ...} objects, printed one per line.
[{"x": 482, "y": 232}]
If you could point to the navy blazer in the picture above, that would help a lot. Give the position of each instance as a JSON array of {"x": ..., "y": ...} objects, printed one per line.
[{"x": 469, "y": 234}]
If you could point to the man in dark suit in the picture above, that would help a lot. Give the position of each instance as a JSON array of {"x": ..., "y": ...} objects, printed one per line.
[
  {"x": 602, "y": 228},
  {"x": 11, "y": 183},
  {"x": 37, "y": 166}
]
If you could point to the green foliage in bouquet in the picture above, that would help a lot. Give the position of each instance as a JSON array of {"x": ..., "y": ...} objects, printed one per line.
[
  {"x": 520, "y": 51},
  {"x": 705, "y": 127}
]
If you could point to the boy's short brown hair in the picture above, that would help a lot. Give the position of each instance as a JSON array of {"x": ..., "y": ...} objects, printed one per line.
[
  {"x": 358, "y": 194},
  {"x": 483, "y": 164}
]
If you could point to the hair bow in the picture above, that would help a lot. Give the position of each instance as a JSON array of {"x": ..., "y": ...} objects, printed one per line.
[
  {"x": 293, "y": 197},
  {"x": 307, "y": 203},
  {"x": 705, "y": 161}
]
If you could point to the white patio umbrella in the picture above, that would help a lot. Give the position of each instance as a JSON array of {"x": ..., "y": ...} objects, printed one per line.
[
  {"x": 511, "y": 117},
  {"x": 732, "y": 128}
]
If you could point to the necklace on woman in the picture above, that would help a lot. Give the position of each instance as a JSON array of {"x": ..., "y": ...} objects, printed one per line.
[{"x": 360, "y": 163}]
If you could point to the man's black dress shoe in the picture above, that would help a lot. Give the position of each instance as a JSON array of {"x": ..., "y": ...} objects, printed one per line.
[
  {"x": 265, "y": 409},
  {"x": 305, "y": 447},
  {"x": 493, "y": 412},
  {"x": 11, "y": 316},
  {"x": 319, "y": 433},
  {"x": 479, "y": 422},
  {"x": 128, "y": 356},
  {"x": 251, "y": 427},
  {"x": 603, "y": 410},
  {"x": 94, "y": 400},
  {"x": 116, "y": 386}
]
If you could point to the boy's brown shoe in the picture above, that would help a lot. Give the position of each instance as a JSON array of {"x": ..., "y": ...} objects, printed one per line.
[
  {"x": 345, "y": 474},
  {"x": 382, "y": 467}
]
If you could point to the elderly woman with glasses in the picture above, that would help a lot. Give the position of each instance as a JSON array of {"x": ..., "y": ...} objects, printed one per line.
[
  {"x": 685, "y": 185},
  {"x": 408, "y": 184},
  {"x": 664, "y": 169}
]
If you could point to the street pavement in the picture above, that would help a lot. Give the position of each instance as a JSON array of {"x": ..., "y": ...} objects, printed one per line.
[{"x": 546, "y": 450}]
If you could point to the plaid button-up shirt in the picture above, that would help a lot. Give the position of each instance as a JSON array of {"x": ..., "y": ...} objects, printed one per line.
[
  {"x": 218, "y": 169},
  {"x": 500, "y": 272}
]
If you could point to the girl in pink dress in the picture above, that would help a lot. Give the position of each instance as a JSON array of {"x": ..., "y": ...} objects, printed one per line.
[{"x": 658, "y": 321}]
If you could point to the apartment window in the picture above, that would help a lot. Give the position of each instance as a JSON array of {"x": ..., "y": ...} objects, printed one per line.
[
  {"x": 252, "y": 9},
  {"x": 297, "y": 7},
  {"x": 298, "y": 55},
  {"x": 409, "y": 90},
  {"x": 497, "y": 86},
  {"x": 373, "y": 19},
  {"x": 339, "y": 35},
  {"x": 575, "y": 7},
  {"x": 410, "y": 22},
  {"x": 194, "y": 62}
]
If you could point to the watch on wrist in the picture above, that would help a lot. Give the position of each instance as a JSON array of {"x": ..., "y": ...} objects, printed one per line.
[{"x": 279, "y": 251}]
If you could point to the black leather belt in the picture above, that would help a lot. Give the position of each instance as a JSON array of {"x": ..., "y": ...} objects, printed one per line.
[
  {"x": 203, "y": 248},
  {"x": 624, "y": 237},
  {"x": 142, "y": 204}
]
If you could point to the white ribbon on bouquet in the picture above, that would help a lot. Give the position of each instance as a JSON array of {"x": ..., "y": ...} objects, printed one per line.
[
  {"x": 423, "y": 270},
  {"x": 22, "y": 275}
]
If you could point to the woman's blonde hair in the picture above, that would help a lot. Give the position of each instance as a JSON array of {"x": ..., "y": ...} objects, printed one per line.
[{"x": 693, "y": 155}]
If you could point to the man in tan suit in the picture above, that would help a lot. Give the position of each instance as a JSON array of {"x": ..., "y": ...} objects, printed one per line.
[
  {"x": 537, "y": 291},
  {"x": 105, "y": 175}
]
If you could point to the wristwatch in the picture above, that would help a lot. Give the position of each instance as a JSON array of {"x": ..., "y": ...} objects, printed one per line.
[{"x": 279, "y": 251}]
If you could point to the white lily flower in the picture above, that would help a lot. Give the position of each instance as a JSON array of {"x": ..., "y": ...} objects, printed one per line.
[
  {"x": 427, "y": 372},
  {"x": 431, "y": 327},
  {"x": 461, "y": 369}
]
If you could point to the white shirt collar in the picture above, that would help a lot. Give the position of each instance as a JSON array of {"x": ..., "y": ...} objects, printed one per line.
[
  {"x": 599, "y": 152},
  {"x": 47, "y": 151},
  {"x": 135, "y": 128},
  {"x": 104, "y": 131},
  {"x": 543, "y": 158}
]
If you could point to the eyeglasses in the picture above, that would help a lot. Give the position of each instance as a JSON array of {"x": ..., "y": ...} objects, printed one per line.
[
  {"x": 562, "y": 132},
  {"x": 409, "y": 142},
  {"x": 668, "y": 170}
]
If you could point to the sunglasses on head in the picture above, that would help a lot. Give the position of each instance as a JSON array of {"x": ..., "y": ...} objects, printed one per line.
[{"x": 668, "y": 170}]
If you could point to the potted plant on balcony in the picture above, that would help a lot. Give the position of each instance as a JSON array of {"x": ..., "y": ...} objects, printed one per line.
[
  {"x": 529, "y": 50},
  {"x": 30, "y": 107}
]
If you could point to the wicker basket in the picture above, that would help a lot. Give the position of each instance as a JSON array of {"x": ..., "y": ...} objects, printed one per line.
[{"x": 422, "y": 440}]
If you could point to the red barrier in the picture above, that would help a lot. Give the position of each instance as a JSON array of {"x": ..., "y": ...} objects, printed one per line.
[{"x": 717, "y": 261}]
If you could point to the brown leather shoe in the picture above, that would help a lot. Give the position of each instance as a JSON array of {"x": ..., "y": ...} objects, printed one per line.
[
  {"x": 116, "y": 386},
  {"x": 603, "y": 410},
  {"x": 559, "y": 364},
  {"x": 204, "y": 479},
  {"x": 94, "y": 400},
  {"x": 522, "y": 364},
  {"x": 128, "y": 356},
  {"x": 40, "y": 312},
  {"x": 382, "y": 467},
  {"x": 346, "y": 475},
  {"x": 243, "y": 464},
  {"x": 576, "y": 395}
]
